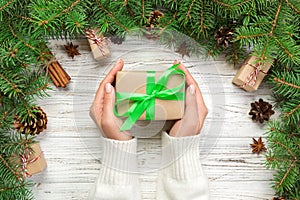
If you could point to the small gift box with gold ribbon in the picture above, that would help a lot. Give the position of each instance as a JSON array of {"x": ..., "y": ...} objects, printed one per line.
[
  {"x": 98, "y": 43},
  {"x": 251, "y": 74},
  {"x": 150, "y": 95}
]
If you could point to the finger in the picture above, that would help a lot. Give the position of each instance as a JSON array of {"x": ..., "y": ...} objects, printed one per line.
[
  {"x": 109, "y": 100},
  {"x": 189, "y": 78},
  {"x": 110, "y": 124},
  {"x": 195, "y": 111},
  {"x": 108, "y": 79},
  {"x": 191, "y": 105}
]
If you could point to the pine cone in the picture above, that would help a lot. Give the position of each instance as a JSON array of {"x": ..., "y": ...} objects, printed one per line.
[
  {"x": 224, "y": 36},
  {"x": 33, "y": 125},
  {"x": 154, "y": 18},
  {"x": 261, "y": 111}
]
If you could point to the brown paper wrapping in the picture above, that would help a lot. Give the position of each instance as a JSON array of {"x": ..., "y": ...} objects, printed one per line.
[
  {"x": 97, "y": 53},
  {"x": 135, "y": 82},
  {"x": 247, "y": 68},
  {"x": 38, "y": 165}
]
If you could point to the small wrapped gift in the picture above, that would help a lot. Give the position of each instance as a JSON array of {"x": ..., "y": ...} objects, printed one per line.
[
  {"x": 251, "y": 74},
  {"x": 33, "y": 160},
  {"x": 150, "y": 95},
  {"x": 98, "y": 44}
]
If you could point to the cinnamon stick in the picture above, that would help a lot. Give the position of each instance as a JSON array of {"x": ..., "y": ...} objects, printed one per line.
[
  {"x": 61, "y": 72},
  {"x": 55, "y": 74},
  {"x": 55, "y": 82}
]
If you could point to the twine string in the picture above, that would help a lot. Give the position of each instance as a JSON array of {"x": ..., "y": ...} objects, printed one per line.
[
  {"x": 101, "y": 42},
  {"x": 252, "y": 77},
  {"x": 25, "y": 162}
]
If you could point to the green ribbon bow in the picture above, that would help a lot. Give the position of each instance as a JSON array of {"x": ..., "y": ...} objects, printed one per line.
[{"x": 146, "y": 102}]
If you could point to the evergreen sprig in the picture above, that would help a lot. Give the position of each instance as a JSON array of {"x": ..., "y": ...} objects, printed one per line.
[
  {"x": 284, "y": 134},
  {"x": 269, "y": 28}
]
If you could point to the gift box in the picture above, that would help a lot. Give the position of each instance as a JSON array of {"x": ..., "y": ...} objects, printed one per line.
[
  {"x": 150, "y": 95},
  {"x": 32, "y": 161},
  {"x": 36, "y": 161},
  {"x": 98, "y": 44},
  {"x": 251, "y": 74}
]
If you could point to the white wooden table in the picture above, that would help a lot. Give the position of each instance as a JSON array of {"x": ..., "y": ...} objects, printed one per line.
[{"x": 72, "y": 146}]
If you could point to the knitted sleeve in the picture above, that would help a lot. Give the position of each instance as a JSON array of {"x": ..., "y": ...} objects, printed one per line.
[
  {"x": 117, "y": 179},
  {"x": 181, "y": 176}
]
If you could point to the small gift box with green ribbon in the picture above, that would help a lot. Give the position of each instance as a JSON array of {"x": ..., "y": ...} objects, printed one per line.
[{"x": 150, "y": 95}]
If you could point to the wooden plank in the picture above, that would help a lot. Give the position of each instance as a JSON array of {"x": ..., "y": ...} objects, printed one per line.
[{"x": 72, "y": 144}]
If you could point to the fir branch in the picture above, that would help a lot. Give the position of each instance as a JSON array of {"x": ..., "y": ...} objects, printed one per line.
[
  {"x": 15, "y": 173},
  {"x": 293, "y": 7},
  {"x": 15, "y": 35},
  {"x": 286, "y": 173},
  {"x": 67, "y": 10},
  {"x": 3, "y": 118},
  {"x": 188, "y": 14},
  {"x": 276, "y": 18},
  {"x": 143, "y": 9},
  {"x": 250, "y": 36},
  {"x": 288, "y": 114},
  {"x": 228, "y": 6},
  {"x": 169, "y": 22},
  {"x": 7, "y": 4},
  {"x": 286, "y": 83},
  {"x": 13, "y": 86},
  {"x": 36, "y": 90},
  {"x": 285, "y": 147},
  {"x": 284, "y": 49},
  {"x": 202, "y": 16},
  {"x": 112, "y": 16},
  {"x": 22, "y": 185},
  {"x": 23, "y": 17}
]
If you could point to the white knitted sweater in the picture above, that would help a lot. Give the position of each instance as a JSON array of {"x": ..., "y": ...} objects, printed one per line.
[{"x": 180, "y": 178}]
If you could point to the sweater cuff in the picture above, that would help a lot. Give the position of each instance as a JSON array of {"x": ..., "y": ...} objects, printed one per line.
[
  {"x": 181, "y": 155},
  {"x": 119, "y": 161}
]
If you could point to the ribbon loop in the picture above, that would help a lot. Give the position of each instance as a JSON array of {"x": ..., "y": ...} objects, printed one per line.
[{"x": 146, "y": 102}]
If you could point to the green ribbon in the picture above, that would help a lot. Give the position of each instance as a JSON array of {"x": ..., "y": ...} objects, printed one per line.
[{"x": 146, "y": 102}]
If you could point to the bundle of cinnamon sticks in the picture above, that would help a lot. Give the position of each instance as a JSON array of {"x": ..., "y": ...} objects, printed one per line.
[{"x": 58, "y": 75}]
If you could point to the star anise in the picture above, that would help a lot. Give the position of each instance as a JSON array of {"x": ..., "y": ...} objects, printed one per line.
[
  {"x": 183, "y": 50},
  {"x": 258, "y": 146},
  {"x": 72, "y": 50},
  {"x": 261, "y": 111}
]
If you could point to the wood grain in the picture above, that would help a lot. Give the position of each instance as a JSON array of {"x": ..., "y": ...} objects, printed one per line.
[{"x": 72, "y": 143}]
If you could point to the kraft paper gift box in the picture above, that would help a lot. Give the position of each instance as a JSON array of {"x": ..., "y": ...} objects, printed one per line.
[
  {"x": 135, "y": 82},
  {"x": 36, "y": 161},
  {"x": 251, "y": 74},
  {"x": 30, "y": 163},
  {"x": 101, "y": 50}
]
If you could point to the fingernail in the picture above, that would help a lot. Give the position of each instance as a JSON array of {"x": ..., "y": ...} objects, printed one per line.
[
  {"x": 108, "y": 88},
  {"x": 118, "y": 61},
  {"x": 192, "y": 89}
]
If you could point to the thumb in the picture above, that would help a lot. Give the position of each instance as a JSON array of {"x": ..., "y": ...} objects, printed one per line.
[
  {"x": 191, "y": 110},
  {"x": 109, "y": 101}
]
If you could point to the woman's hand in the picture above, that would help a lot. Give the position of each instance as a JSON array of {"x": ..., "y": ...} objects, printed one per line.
[
  {"x": 101, "y": 110},
  {"x": 195, "y": 109}
]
